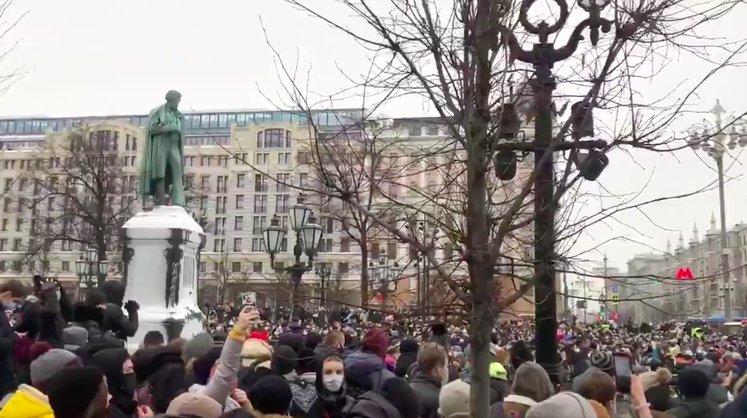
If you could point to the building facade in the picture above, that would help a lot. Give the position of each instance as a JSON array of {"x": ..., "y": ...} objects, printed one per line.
[{"x": 652, "y": 292}]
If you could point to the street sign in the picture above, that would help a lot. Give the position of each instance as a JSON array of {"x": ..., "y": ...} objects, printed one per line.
[
  {"x": 685, "y": 274},
  {"x": 615, "y": 299},
  {"x": 614, "y": 288}
]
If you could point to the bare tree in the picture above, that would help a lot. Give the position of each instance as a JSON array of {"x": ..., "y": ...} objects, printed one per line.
[
  {"x": 466, "y": 59},
  {"x": 80, "y": 194}
]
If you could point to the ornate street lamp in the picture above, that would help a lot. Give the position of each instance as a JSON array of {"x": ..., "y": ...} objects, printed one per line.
[
  {"x": 308, "y": 236},
  {"x": 543, "y": 56}
]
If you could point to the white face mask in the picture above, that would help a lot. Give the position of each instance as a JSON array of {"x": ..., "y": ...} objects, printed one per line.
[{"x": 333, "y": 382}]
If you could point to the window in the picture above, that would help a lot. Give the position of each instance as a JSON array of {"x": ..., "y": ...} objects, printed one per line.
[
  {"x": 272, "y": 138},
  {"x": 219, "y": 245},
  {"x": 236, "y": 267},
  {"x": 238, "y": 224},
  {"x": 220, "y": 226},
  {"x": 65, "y": 266},
  {"x": 260, "y": 183},
  {"x": 8, "y": 184},
  {"x": 222, "y": 184},
  {"x": 303, "y": 180},
  {"x": 239, "y": 201},
  {"x": 258, "y": 224},
  {"x": 343, "y": 268},
  {"x": 261, "y": 158},
  {"x": 325, "y": 245},
  {"x": 257, "y": 267},
  {"x": 284, "y": 158},
  {"x": 284, "y": 245},
  {"x": 240, "y": 179},
  {"x": 283, "y": 181},
  {"x": 241, "y": 158},
  {"x": 237, "y": 244},
  {"x": 260, "y": 204},
  {"x": 19, "y": 225},
  {"x": 375, "y": 253},
  {"x": 4, "y": 244},
  {"x": 328, "y": 225},
  {"x": 17, "y": 244},
  {"x": 221, "y": 204},
  {"x": 258, "y": 245},
  {"x": 205, "y": 182},
  {"x": 281, "y": 204},
  {"x": 22, "y": 184},
  {"x": 391, "y": 250},
  {"x": 223, "y": 161},
  {"x": 17, "y": 265},
  {"x": 203, "y": 267},
  {"x": 304, "y": 158},
  {"x": 203, "y": 203},
  {"x": 345, "y": 245}
]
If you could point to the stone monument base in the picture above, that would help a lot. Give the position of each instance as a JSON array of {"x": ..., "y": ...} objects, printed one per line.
[{"x": 163, "y": 246}]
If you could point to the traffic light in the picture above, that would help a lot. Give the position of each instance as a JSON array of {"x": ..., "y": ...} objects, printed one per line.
[
  {"x": 602, "y": 315},
  {"x": 614, "y": 316}
]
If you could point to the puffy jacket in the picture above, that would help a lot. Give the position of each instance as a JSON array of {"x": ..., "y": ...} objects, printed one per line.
[{"x": 27, "y": 402}]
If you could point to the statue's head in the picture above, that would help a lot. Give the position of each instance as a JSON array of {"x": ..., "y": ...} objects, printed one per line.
[{"x": 173, "y": 98}]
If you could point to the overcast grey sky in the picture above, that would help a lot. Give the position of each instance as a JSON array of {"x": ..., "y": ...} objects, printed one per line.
[{"x": 93, "y": 57}]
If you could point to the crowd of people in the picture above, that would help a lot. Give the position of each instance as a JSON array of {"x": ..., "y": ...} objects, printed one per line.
[{"x": 60, "y": 359}]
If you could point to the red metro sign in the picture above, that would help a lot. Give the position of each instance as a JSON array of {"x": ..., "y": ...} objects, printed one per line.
[{"x": 685, "y": 274}]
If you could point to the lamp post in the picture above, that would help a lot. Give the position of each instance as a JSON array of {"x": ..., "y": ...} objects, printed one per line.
[
  {"x": 308, "y": 236},
  {"x": 543, "y": 56},
  {"x": 324, "y": 271},
  {"x": 716, "y": 151},
  {"x": 89, "y": 269},
  {"x": 385, "y": 277}
]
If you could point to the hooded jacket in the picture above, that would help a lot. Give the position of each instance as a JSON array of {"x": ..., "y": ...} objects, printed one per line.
[
  {"x": 121, "y": 326},
  {"x": 408, "y": 355},
  {"x": 27, "y": 402},
  {"x": 428, "y": 390},
  {"x": 365, "y": 371},
  {"x": 372, "y": 405}
]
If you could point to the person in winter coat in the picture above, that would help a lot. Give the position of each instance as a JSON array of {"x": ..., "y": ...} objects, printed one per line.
[
  {"x": 116, "y": 365},
  {"x": 222, "y": 383},
  {"x": 717, "y": 393},
  {"x": 693, "y": 383},
  {"x": 431, "y": 376},
  {"x": 334, "y": 343},
  {"x": 499, "y": 386},
  {"x": 11, "y": 293},
  {"x": 270, "y": 397},
  {"x": 78, "y": 392},
  {"x": 397, "y": 400},
  {"x": 121, "y": 326},
  {"x": 32, "y": 401},
  {"x": 160, "y": 375},
  {"x": 408, "y": 354},
  {"x": 531, "y": 386},
  {"x": 736, "y": 409},
  {"x": 656, "y": 386},
  {"x": 324, "y": 396},
  {"x": 365, "y": 370}
]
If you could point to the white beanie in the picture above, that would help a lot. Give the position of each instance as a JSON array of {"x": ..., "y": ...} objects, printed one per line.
[
  {"x": 563, "y": 405},
  {"x": 453, "y": 401}
]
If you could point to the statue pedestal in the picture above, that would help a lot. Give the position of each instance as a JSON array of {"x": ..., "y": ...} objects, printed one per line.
[{"x": 162, "y": 247}]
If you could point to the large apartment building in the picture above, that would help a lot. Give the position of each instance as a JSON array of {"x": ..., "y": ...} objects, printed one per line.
[
  {"x": 652, "y": 278},
  {"x": 242, "y": 168}
]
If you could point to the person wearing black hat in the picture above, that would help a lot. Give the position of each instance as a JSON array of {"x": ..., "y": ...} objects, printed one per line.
[
  {"x": 121, "y": 381},
  {"x": 78, "y": 392},
  {"x": 270, "y": 397},
  {"x": 693, "y": 383},
  {"x": 284, "y": 362}
]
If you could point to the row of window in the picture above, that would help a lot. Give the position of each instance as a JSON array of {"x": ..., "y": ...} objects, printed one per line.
[
  {"x": 192, "y": 121},
  {"x": 258, "y": 267}
]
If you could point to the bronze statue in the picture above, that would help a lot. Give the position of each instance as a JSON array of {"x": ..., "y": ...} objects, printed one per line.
[{"x": 163, "y": 155}]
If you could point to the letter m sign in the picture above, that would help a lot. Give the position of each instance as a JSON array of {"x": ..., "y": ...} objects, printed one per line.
[{"x": 685, "y": 274}]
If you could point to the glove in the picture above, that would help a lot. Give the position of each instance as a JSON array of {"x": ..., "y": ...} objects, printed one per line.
[{"x": 131, "y": 305}]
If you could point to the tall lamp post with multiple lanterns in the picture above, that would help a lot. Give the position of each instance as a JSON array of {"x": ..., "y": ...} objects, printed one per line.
[
  {"x": 308, "y": 237},
  {"x": 713, "y": 141},
  {"x": 90, "y": 271},
  {"x": 385, "y": 278},
  {"x": 542, "y": 57}
]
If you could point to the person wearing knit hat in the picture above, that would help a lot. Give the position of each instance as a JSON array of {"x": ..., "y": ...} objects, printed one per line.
[
  {"x": 195, "y": 405},
  {"x": 197, "y": 346},
  {"x": 284, "y": 362},
  {"x": 270, "y": 395},
  {"x": 531, "y": 385},
  {"x": 78, "y": 392},
  {"x": 49, "y": 363},
  {"x": 74, "y": 338},
  {"x": 603, "y": 361},
  {"x": 563, "y": 405},
  {"x": 453, "y": 400}
]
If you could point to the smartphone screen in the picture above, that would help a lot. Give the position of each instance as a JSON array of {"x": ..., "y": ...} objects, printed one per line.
[{"x": 623, "y": 369}]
